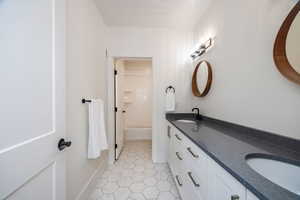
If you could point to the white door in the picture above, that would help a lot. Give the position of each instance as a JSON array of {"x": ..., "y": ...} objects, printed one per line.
[
  {"x": 119, "y": 113},
  {"x": 32, "y": 99}
]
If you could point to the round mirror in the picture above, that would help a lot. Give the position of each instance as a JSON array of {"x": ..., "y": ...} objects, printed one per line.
[
  {"x": 287, "y": 46},
  {"x": 202, "y": 79},
  {"x": 293, "y": 44}
]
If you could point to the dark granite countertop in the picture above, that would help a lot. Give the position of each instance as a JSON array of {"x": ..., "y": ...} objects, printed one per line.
[{"x": 230, "y": 144}]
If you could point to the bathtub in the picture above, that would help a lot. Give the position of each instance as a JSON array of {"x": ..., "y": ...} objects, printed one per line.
[{"x": 138, "y": 134}]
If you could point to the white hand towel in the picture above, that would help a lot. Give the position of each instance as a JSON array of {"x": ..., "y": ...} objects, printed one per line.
[
  {"x": 97, "y": 133},
  {"x": 170, "y": 101}
]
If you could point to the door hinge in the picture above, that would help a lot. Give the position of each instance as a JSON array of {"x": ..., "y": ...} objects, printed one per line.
[
  {"x": 106, "y": 53},
  {"x": 116, "y": 146},
  {"x": 116, "y": 109},
  {"x": 116, "y": 72}
]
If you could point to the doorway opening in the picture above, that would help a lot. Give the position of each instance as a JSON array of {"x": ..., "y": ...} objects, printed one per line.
[{"x": 133, "y": 96}]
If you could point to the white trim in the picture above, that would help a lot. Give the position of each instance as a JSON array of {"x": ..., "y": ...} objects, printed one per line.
[
  {"x": 110, "y": 108},
  {"x": 136, "y": 74},
  {"x": 54, "y": 65},
  {"x": 110, "y": 104},
  {"x": 91, "y": 183},
  {"x": 54, "y": 171}
]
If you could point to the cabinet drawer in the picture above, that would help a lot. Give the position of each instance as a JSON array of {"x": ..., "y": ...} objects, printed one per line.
[
  {"x": 224, "y": 186},
  {"x": 178, "y": 137},
  {"x": 196, "y": 183},
  {"x": 178, "y": 157},
  {"x": 194, "y": 154},
  {"x": 170, "y": 130},
  {"x": 179, "y": 183},
  {"x": 182, "y": 185}
]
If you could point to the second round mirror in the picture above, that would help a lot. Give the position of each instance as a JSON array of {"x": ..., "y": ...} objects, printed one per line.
[{"x": 286, "y": 48}]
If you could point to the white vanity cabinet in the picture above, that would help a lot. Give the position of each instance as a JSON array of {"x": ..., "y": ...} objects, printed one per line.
[
  {"x": 223, "y": 185},
  {"x": 251, "y": 196},
  {"x": 176, "y": 161},
  {"x": 197, "y": 176},
  {"x": 175, "y": 158},
  {"x": 187, "y": 165},
  {"x": 196, "y": 168}
]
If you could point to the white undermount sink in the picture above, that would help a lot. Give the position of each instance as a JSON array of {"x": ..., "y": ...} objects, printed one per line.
[
  {"x": 186, "y": 121},
  {"x": 281, "y": 173}
]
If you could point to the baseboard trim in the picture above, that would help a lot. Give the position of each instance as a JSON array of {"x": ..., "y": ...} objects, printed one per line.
[{"x": 90, "y": 185}]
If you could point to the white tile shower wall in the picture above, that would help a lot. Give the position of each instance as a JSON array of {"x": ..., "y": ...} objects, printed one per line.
[
  {"x": 138, "y": 92},
  {"x": 170, "y": 53},
  {"x": 247, "y": 88}
]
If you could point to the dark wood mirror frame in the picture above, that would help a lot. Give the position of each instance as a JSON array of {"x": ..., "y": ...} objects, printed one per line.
[
  {"x": 195, "y": 88},
  {"x": 279, "y": 52}
]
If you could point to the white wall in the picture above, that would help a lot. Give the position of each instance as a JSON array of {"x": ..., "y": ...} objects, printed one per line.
[
  {"x": 247, "y": 89},
  {"x": 138, "y": 94},
  {"x": 169, "y": 51},
  {"x": 86, "y": 43}
]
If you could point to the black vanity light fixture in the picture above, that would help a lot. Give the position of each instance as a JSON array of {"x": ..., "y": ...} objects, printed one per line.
[{"x": 202, "y": 49}]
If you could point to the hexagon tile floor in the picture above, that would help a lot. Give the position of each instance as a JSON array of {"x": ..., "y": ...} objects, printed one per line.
[{"x": 136, "y": 177}]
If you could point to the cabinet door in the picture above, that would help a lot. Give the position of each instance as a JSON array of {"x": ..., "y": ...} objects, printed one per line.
[
  {"x": 197, "y": 183},
  {"x": 176, "y": 156},
  {"x": 184, "y": 187},
  {"x": 179, "y": 182},
  {"x": 224, "y": 186},
  {"x": 197, "y": 169}
]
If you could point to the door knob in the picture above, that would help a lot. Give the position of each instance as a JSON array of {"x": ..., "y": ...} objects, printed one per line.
[{"x": 62, "y": 144}]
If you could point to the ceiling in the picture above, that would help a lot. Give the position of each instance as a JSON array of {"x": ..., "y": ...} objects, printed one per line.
[{"x": 152, "y": 13}]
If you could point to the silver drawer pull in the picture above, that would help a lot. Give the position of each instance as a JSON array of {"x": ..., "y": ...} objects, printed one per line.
[
  {"x": 194, "y": 155},
  {"x": 178, "y": 137},
  {"x": 178, "y": 156},
  {"x": 177, "y": 179},
  {"x": 169, "y": 130},
  {"x": 193, "y": 180},
  {"x": 235, "y": 197}
]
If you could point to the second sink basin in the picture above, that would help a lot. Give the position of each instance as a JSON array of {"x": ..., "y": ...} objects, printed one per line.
[
  {"x": 281, "y": 173},
  {"x": 186, "y": 121}
]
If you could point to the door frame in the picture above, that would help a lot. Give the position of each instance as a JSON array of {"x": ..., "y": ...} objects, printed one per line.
[
  {"x": 111, "y": 104},
  {"x": 115, "y": 105}
]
